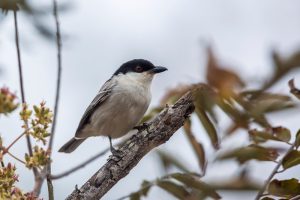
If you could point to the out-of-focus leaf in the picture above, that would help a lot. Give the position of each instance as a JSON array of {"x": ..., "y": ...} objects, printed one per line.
[
  {"x": 284, "y": 188},
  {"x": 268, "y": 102},
  {"x": 170, "y": 160},
  {"x": 282, "y": 133},
  {"x": 251, "y": 152},
  {"x": 297, "y": 142},
  {"x": 239, "y": 118},
  {"x": 208, "y": 126},
  {"x": 198, "y": 147},
  {"x": 174, "y": 94},
  {"x": 276, "y": 133},
  {"x": 152, "y": 113},
  {"x": 291, "y": 159},
  {"x": 134, "y": 196},
  {"x": 295, "y": 91},
  {"x": 267, "y": 198},
  {"x": 205, "y": 98},
  {"x": 146, "y": 186},
  {"x": 222, "y": 79},
  {"x": 176, "y": 190},
  {"x": 44, "y": 30},
  {"x": 282, "y": 67},
  {"x": 7, "y": 5},
  {"x": 192, "y": 182}
]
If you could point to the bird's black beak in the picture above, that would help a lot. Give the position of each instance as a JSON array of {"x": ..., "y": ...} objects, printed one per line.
[{"x": 158, "y": 69}]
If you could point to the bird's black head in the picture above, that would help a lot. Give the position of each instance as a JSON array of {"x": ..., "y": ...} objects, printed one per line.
[{"x": 139, "y": 66}]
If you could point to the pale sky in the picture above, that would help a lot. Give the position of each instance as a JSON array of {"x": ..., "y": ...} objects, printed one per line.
[{"x": 100, "y": 35}]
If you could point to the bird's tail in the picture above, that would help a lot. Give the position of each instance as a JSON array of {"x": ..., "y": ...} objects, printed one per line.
[{"x": 71, "y": 145}]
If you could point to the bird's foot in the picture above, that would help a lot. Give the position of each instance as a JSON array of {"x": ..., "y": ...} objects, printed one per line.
[
  {"x": 143, "y": 126},
  {"x": 115, "y": 154}
]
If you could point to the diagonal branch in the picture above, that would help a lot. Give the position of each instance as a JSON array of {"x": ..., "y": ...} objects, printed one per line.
[{"x": 159, "y": 131}]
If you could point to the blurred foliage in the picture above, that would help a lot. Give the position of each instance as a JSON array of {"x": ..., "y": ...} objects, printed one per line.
[
  {"x": 38, "y": 129},
  {"x": 7, "y": 101},
  {"x": 36, "y": 15},
  {"x": 39, "y": 125},
  {"x": 247, "y": 108},
  {"x": 8, "y": 190}
]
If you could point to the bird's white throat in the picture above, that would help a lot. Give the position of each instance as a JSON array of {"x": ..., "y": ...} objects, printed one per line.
[{"x": 139, "y": 79}]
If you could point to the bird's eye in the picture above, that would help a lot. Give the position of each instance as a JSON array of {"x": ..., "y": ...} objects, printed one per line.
[{"x": 138, "y": 69}]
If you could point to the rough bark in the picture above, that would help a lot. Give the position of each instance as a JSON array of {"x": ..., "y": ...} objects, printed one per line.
[{"x": 160, "y": 129}]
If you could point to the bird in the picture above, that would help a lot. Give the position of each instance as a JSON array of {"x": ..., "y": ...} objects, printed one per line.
[{"x": 119, "y": 105}]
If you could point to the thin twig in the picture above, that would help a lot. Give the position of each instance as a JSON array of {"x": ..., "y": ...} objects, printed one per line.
[
  {"x": 58, "y": 176},
  {"x": 15, "y": 157},
  {"x": 19, "y": 137},
  {"x": 59, "y": 68},
  {"x": 275, "y": 171},
  {"x": 29, "y": 146},
  {"x": 58, "y": 81},
  {"x": 50, "y": 188}
]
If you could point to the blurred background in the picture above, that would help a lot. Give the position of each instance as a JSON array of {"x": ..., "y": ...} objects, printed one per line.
[{"x": 98, "y": 36}]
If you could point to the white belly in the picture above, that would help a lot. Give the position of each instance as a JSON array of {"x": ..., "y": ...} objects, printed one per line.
[{"x": 120, "y": 112}]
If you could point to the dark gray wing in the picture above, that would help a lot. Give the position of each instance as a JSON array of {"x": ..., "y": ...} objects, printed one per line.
[{"x": 101, "y": 97}]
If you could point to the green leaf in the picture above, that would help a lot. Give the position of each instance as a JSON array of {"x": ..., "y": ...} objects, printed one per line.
[
  {"x": 297, "y": 142},
  {"x": 208, "y": 126},
  {"x": 170, "y": 160},
  {"x": 192, "y": 182},
  {"x": 276, "y": 133},
  {"x": 251, "y": 152},
  {"x": 284, "y": 188},
  {"x": 198, "y": 147},
  {"x": 176, "y": 190},
  {"x": 291, "y": 159}
]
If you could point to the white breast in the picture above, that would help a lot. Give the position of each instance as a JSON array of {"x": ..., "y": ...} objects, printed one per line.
[{"x": 125, "y": 107}]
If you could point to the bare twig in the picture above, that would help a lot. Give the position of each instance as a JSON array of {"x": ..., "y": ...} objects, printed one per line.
[
  {"x": 19, "y": 137},
  {"x": 53, "y": 177},
  {"x": 58, "y": 81},
  {"x": 29, "y": 146},
  {"x": 59, "y": 69},
  {"x": 159, "y": 130},
  {"x": 15, "y": 157},
  {"x": 50, "y": 188},
  {"x": 275, "y": 171}
]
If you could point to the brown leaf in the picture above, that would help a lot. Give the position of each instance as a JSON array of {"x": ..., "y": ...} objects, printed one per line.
[
  {"x": 197, "y": 146},
  {"x": 295, "y": 91},
  {"x": 192, "y": 182},
  {"x": 276, "y": 133},
  {"x": 284, "y": 188},
  {"x": 134, "y": 196},
  {"x": 174, "y": 94},
  {"x": 170, "y": 160},
  {"x": 222, "y": 79},
  {"x": 297, "y": 142},
  {"x": 251, "y": 152},
  {"x": 208, "y": 126},
  {"x": 176, "y": 190},
  {"x": 291, "y": 159},
  {"x": 282, "y": 133}
]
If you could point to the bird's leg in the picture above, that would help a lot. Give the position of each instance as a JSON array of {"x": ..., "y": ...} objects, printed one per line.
[
  {"x": 141, "y": 127},
  {"x": 112, "y": 149}
]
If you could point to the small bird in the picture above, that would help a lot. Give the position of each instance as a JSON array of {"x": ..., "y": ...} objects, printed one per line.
[{"x": 119, "y": 105}]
